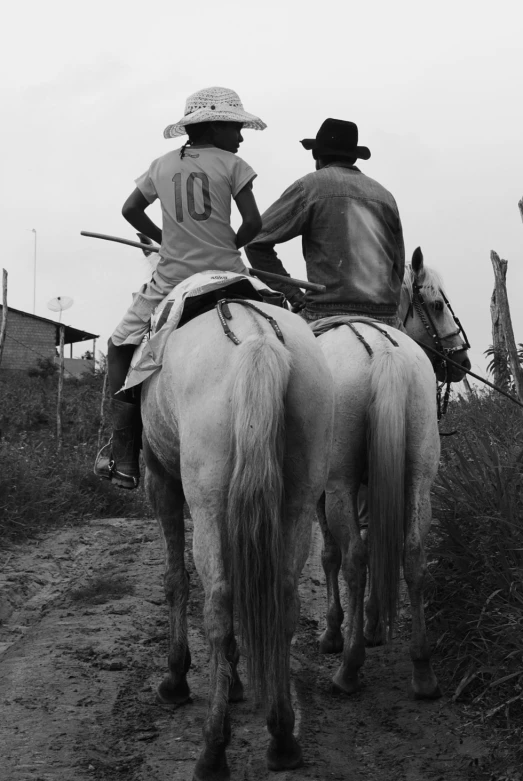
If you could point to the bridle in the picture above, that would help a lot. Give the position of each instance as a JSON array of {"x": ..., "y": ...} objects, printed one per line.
[{"x": 441, "y": 352}]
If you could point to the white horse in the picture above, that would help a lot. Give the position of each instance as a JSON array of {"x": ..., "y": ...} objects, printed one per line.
[
  {"x": 429, "y": 319},
  {"x": 241, "y": 432},
  {"x": 385, "y": 436}
]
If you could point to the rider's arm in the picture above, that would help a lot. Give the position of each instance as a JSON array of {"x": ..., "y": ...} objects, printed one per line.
[
  {"x": 134, "y": 212},
  {"x": 282, "y": 221},
  {"x": 251, "y": 220}
]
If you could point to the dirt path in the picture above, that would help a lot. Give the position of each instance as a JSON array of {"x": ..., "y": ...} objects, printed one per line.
[{"x": 83, "y": 646}]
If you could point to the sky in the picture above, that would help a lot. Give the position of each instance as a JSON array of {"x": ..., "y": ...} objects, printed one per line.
[{"x": 87, "y": 89}]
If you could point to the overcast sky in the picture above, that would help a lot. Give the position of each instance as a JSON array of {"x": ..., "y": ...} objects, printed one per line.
[{"x": 86, "y": 90}]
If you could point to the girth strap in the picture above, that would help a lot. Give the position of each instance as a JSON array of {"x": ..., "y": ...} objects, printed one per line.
[{"x": 224, "y": 314}]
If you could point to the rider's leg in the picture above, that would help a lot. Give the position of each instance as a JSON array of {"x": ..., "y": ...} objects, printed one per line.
[
  {"x": 118, "y": 363},
  {"x": 121, "y": 464}
]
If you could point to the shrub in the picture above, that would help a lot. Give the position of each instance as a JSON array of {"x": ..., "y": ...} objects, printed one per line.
[
  {"x": 45, "y": 367},
  {"x": 477, "y": 608},
  {"x": 40, "y": 487}
]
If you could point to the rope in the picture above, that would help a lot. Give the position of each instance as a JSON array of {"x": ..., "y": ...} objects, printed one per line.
[{"x": 467, "y": 371}]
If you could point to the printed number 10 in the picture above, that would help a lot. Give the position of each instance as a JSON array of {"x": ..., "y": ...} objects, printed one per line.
[{"x": 207, "y": 208}]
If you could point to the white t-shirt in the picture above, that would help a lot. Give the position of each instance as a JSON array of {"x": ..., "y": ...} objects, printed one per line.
[{"x": 195, "y": 194}]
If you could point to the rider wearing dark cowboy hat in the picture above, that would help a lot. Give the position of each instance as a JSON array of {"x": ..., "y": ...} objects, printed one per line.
[{"x": 351, "y": 232}]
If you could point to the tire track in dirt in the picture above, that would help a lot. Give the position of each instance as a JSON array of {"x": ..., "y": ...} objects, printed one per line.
[{"x": 79, "y": 668}]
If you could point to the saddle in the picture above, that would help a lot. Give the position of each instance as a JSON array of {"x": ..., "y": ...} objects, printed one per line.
[
  {"x": 190, "y": 299},
  {"x": 205, "y": 302}
]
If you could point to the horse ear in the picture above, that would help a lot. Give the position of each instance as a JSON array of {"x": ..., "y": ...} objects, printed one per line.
[{"x": 417, "y": 261}]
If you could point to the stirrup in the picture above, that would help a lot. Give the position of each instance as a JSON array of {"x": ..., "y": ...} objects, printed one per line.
[
  {"x": 104, "y": 464},
  {"x": 123, "y": 480},
  {"x": 105, "y": 467}
]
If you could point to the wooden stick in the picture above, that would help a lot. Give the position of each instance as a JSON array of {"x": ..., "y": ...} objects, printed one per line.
[
  {"x": 102, "y": 408},
  {"x": 59, "y": 438},
  {"x": 3, "y": 327},
  {"x": 267, "y": 275},
  {"x": 498, "y": 336}
]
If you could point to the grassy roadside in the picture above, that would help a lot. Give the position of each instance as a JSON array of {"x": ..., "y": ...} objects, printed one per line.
[
  {"x": 39, "y": 487},
  {"x": 476, "y": 612}
]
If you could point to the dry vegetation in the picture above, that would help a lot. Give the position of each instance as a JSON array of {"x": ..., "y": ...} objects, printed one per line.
[
  {"x": 40, "y": 487},
  {"x": 476, "y": 611}
]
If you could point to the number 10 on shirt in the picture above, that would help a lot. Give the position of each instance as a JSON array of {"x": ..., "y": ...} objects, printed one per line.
[{"x": 191, "y": 208}]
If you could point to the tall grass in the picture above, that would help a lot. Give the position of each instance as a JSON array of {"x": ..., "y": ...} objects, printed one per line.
[
  {"x": 477, "y": 609},
  {"x": 39, "y": 487}
]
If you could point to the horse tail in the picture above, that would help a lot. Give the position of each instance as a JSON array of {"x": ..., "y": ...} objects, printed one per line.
[
  {"x": 255, "y": 509},
  {"x": 386, "y": 485}
]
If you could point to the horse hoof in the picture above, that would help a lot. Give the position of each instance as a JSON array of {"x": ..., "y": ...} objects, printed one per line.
[
  {"x": 170, "y": 694},
  {"x": 418, "y": 693},
  {"x": 288, "y": 757},
  {"x": 344, "y": 685},
  {"x": 206, "y": 771},
  {"x": 331, "y": 643}
]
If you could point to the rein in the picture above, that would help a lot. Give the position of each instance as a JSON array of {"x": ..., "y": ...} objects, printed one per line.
[{"x": 467, "y": 371}]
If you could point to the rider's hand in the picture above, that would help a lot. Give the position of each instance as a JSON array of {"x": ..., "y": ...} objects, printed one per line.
[
  {"x": 297, "y": 301},
  {"x": 145, "y": 240}
]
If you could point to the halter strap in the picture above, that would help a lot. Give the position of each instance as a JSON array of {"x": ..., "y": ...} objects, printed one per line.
[{"x": 419, "y": 304}]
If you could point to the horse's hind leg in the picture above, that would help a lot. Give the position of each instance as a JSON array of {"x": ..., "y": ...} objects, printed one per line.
[
  {"x": 167, "y": 499},
  {"x": 424, "y": 682},
  {"x": 342, "y": 514},
  {"x": 218, "y": 620},
  {"x": 284, "y": 751},
  {"x": 331, "y": 640}
]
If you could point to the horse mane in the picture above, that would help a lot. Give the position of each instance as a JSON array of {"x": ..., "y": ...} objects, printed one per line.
[{"x": 431, "y": 287}]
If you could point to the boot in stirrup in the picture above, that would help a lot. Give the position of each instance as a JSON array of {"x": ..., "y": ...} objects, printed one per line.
[{"x": 118, "y": 461}]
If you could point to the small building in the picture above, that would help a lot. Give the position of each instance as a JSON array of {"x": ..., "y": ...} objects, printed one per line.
[{"x": 29, "y": 338}]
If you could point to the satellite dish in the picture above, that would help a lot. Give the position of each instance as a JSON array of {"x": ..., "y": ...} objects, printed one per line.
[{"x": 59, "y": 303}]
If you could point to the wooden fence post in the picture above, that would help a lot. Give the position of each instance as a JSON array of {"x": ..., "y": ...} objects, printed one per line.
[
  {"x": 59, "y": 438},
  {"x": 102, "y": 409},
  {"x": 498, "y": 337},
  {"x": 3, "y": 327},
  {"x": 508, "y": 331}
]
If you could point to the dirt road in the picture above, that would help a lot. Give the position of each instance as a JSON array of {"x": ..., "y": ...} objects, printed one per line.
[{"x": 83, "y": 646}]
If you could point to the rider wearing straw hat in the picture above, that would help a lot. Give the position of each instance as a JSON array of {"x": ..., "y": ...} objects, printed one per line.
[
  {"x": 350, "y": 227},
  {"x": 195, "y": 185}
]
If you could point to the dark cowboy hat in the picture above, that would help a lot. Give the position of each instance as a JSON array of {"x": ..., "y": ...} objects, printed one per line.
[{"x": 337, "y": 137}]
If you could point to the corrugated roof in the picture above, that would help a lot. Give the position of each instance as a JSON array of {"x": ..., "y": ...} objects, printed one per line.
[{"x": 72, "y": 335}]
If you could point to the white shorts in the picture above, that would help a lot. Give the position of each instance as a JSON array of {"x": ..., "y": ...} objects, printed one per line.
[{"x": 137, "y": 320}]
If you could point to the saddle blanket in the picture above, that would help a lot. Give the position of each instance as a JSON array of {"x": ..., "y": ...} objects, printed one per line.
[{"x": 148, "y": 356}]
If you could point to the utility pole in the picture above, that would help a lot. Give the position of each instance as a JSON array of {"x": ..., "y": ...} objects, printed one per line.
[{"x": 33, "y": 230}]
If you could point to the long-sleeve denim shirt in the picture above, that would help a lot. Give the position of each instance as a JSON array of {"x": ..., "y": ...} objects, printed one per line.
[{"x": 351, "y": 237}]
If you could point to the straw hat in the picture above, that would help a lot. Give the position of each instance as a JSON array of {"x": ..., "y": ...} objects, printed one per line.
[{"x": 214, "y": 104}]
